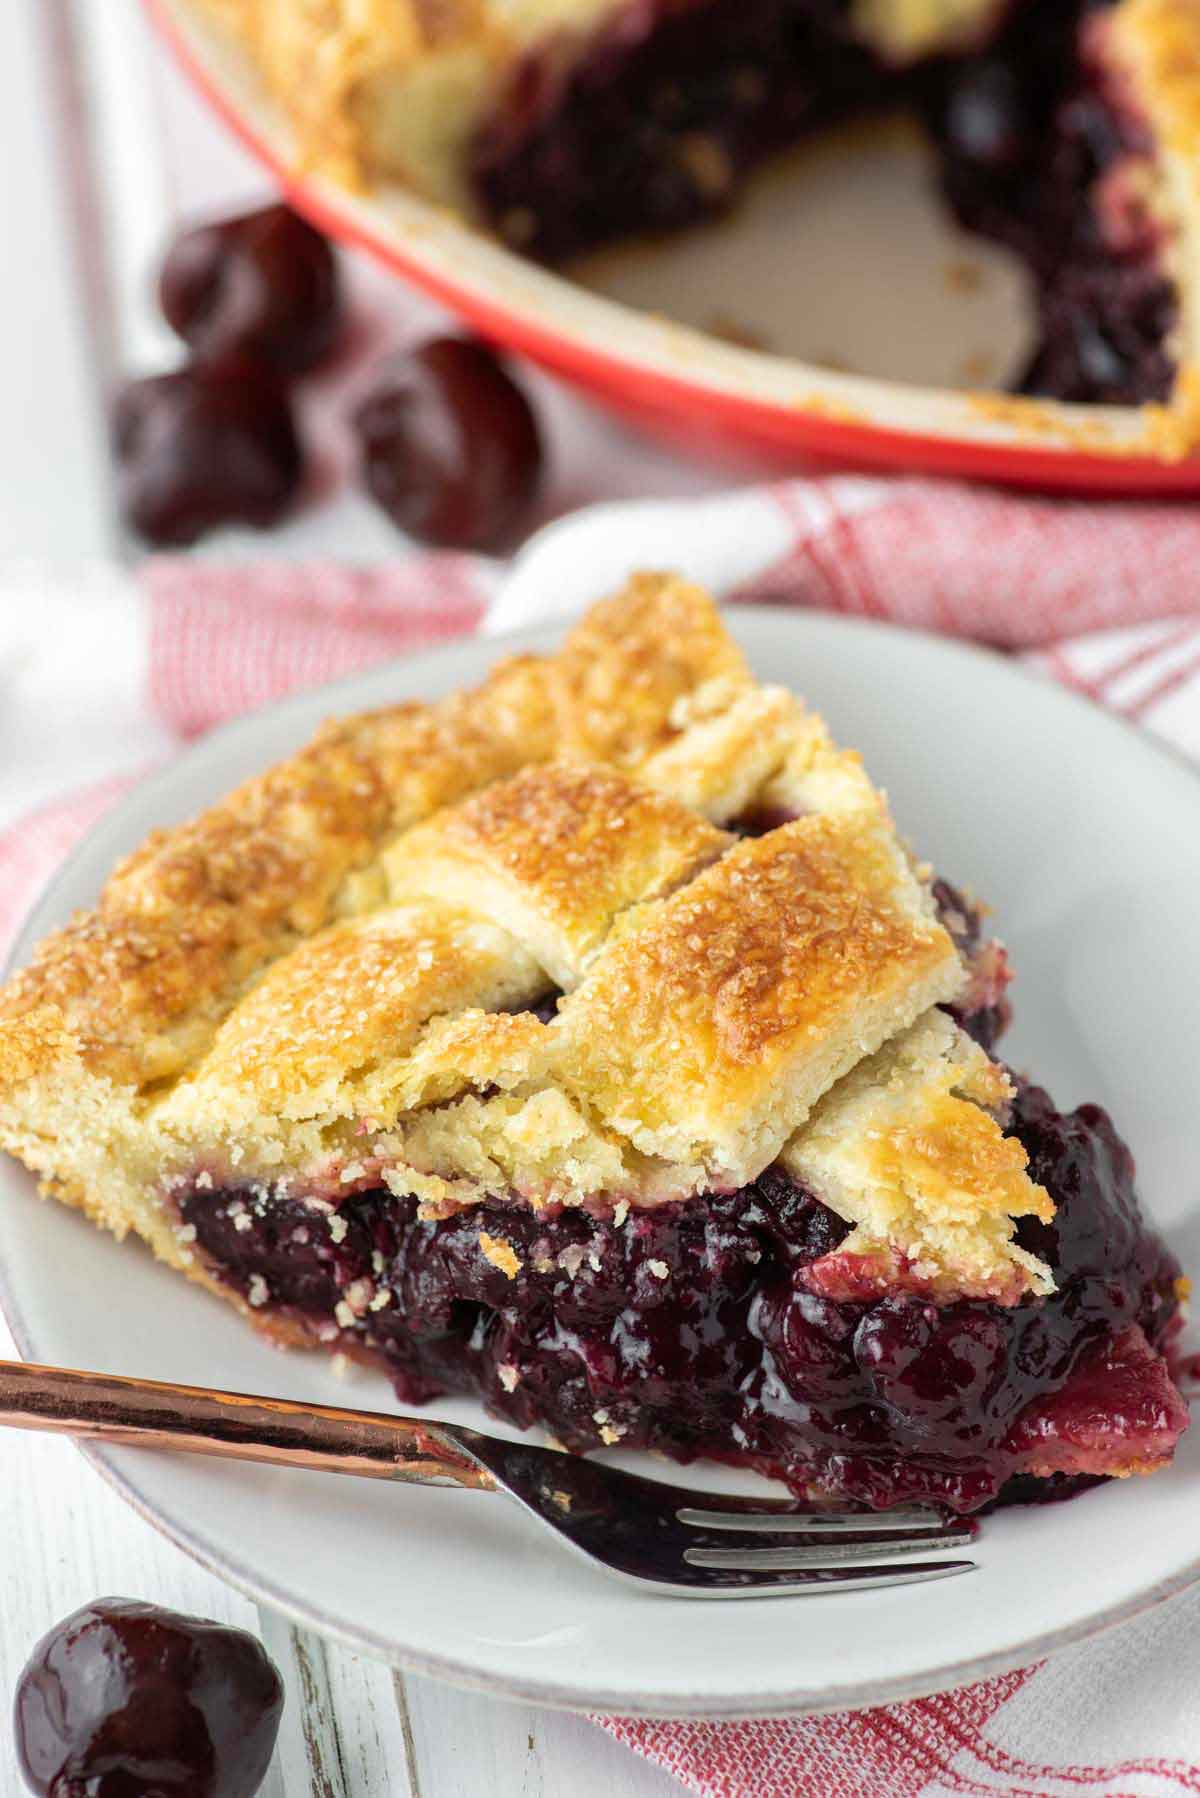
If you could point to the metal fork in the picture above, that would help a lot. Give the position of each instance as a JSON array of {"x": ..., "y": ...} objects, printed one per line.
[{"x": 666, "y": 1538}]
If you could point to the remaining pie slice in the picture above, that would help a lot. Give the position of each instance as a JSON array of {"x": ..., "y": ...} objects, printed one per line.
[
  {"x": 1068, "y": 128},
  {"x": 563, "y": 122},
  {"x": 591, "y": 1042}
]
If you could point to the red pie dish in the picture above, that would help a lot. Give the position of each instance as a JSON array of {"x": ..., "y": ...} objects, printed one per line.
[{"x": 482, "y": 153}]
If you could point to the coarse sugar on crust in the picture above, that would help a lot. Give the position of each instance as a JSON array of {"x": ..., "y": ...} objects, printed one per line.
[
  {"x": 909, "y": 1149},
  {"x": 186, "y": 924}
]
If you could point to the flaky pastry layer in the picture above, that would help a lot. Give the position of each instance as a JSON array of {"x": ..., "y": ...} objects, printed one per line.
[{"x": 906, "y": 1148}]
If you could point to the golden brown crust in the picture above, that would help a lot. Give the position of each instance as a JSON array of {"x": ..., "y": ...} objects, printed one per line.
[
  {"x": 705, "y": 1031},
  {"x": 719, "y": 1016},
  {"x": 554, "y": 855},
  {"x": 186, "y": 924},
  {"x": 716, "y": 1016},
  {"x": 639, "y": 665},
  {"x": 490, "y": 904},
  {"x": 350, "y": 1000},
  {"x": 720, "y": 767},
  {"x": 319, "y": 57},
  {"x": 910, "y": 1149}
]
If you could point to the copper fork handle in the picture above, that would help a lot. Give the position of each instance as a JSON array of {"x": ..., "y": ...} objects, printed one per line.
[{"x": 194, "y": 1420}]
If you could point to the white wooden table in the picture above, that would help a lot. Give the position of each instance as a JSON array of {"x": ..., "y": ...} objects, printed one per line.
[{"x": 103, "y": 147}]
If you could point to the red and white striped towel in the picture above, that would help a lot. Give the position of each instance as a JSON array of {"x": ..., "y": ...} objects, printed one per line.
[{"x": 102, "y": 676}]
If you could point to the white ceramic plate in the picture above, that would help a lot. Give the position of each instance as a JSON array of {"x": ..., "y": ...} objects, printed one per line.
[{"x": 1087, "y": 840}]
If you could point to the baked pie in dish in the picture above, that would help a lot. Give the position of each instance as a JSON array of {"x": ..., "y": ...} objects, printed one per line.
[
  {"x": 1070, "y": 129},
  {"x": 591, "y": 1042}
]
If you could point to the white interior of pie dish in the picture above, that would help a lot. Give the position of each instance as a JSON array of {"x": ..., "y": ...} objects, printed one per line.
[
  {"x": 886, "y": 330},
  {"x": 1086, "y": 839}
]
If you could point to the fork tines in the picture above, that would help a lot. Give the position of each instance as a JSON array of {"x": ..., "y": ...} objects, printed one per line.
[{"x": 822, "y": 1548}]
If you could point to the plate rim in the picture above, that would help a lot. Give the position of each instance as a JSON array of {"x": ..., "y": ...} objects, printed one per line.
[
  {"x": 227, "y": 1565},
  {"x": 1040, "y": 444}
]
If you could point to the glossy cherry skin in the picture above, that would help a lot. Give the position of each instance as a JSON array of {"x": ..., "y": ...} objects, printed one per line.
[
  {"x": 450, "y": 446},
  {"x": 201, "y": 448},
  {"x": 126, "y": 1700},
  {"x": 986, "y": 121},
  {"x": 260, "y": 288}
]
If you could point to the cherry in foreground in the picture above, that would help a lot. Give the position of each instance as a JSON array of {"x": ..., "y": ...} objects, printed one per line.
[{"x": 126, "y": 1700}]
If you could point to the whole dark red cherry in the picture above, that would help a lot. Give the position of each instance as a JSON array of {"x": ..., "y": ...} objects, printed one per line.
[
  {"x": 261, "y": 288},
  {"x": 125, "y": 1700},
  {"x": 450, "y": 446},
  {"x": 203, "y": 447}
]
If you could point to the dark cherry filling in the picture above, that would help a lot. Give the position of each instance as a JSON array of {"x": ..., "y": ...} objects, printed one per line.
[
  {"x": 660, "y": 119},
  {"x": 697, "y": 1329},
  {"x": 1032, "y": 152},
  {"x": 657, "y": 123}
]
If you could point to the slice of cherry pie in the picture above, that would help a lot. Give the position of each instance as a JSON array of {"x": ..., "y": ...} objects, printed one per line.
[
  {"x": 592, "y": 1043},
  {"x": 1068, "y": 128}
]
